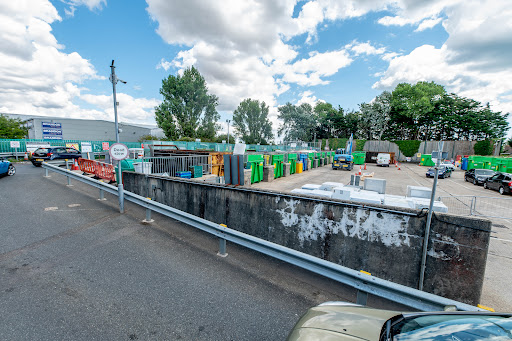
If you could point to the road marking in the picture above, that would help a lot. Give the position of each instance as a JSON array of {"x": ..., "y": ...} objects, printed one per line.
[
  {"x": 51, "y": 208},
  {"x": 74, "y": 205},
  {"x": 503, "y": 240}
]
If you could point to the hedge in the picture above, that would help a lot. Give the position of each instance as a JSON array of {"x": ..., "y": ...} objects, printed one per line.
[{"x": 408, "y": 147}]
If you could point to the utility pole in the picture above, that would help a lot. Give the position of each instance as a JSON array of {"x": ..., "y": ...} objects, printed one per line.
[
  {"x": 429, "y": 216},
  {"x": 113, "y": 78}
]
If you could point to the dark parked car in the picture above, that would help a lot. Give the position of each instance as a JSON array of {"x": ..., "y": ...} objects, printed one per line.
[
  {"x": 444, "y": 172},
  {"x": 54, "y": 153},
  {"x": 501, "y": 182},
  {"x": 6, "y": 168},
  {"x": 346, "y": 321},
  {"x": 478, "y": 176}
]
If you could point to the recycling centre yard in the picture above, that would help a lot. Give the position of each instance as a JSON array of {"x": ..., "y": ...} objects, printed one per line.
[{"x": 455, "y": 193}]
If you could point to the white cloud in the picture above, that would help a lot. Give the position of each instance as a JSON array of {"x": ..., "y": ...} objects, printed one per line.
[
  {"x": 90, "y": 4},
  {"x": 38, "y": 78},
  {"x": 307, "y": 97},
  {"x": 365, "y": 48},
  {"x": 164, "y": 64},
  {"x": 427, "y": 23}
]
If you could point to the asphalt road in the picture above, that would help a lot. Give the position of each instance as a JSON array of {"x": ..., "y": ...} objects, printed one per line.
[{"x": 73, "y": 268}]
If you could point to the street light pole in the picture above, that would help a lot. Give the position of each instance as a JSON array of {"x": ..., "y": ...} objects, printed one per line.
[
  {"x": 228, "y": 121},
  {"x": 120, "y": 189},
  {"x": 429, "y": 217}
]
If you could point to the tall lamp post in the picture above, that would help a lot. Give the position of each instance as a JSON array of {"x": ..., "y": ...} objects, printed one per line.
[
  {"x": 228, "y": 121},
  {"x": 113, "y": 78}
]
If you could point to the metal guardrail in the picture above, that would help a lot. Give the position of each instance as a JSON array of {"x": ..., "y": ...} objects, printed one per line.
[
  {"x": 365, "y": 284},
  {"x": 169, "y": 165},
  {"x": 479, "y": 206}
]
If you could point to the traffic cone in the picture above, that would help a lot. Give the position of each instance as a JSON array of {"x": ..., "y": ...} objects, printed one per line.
[
  {"x": 75, "y": 166},
  {"x": 398, "y": 166},
  {"x": 360, "y": 173},
  {"x": 25, "y": 157},
  {"x": 365, "y": 166}
]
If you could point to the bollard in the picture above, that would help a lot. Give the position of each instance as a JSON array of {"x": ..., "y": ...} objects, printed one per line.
[{"x": 102, "y": 195}]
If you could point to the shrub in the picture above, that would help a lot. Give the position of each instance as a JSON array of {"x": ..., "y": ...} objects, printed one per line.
[
  {"x": 483, "y": 147},
  {"x": 408, "y": 147}
]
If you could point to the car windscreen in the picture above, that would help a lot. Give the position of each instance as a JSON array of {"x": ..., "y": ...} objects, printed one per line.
[
  {"x": 454, "y": 327},
  {"x": 484, "y": 172}
]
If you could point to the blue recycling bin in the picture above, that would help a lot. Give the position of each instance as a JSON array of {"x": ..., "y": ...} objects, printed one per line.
[
  {"x": 304, "y": 159},
  {"x": 464, "y": 164}
]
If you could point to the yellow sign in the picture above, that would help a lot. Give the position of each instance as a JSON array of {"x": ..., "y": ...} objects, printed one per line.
[
  {"x": 418, "y": 155},
  {"x": 72, "y": 145}
]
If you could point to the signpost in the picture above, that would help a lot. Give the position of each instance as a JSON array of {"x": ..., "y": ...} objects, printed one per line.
[{"x": 15, "y": 145}]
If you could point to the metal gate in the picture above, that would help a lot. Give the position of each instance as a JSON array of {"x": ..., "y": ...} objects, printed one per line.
[
  {"x": 179, "y": 163},
  {"x": 491, "y": 207}
]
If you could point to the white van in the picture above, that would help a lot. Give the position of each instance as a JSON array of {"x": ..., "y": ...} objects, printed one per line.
[{"x": 383, "y": 159}]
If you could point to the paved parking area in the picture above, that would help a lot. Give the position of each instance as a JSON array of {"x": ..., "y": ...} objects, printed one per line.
[{"x": 498, "y": 274}]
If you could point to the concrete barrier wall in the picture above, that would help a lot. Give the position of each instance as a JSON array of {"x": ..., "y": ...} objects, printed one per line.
[{"x": 388, "y": 244}]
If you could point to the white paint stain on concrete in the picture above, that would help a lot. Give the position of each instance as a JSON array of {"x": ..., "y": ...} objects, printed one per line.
[{"x": 389, "y": 229}]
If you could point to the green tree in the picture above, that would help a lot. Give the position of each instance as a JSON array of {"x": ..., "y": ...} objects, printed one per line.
[
  {"x": 187, "y": 109},
  {"x": 329, "y": 119},
  {"x": 483, "y": 147},
  {"x": 412, "y": 110},
  {"x": 251, "y": 123},
  {"x": 12, "y": 128},
  {"x": 299, "y": 122}
]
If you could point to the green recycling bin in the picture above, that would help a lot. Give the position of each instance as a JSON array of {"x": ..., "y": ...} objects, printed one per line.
[
  {"x": 255, "y": 162},
  {"x": 359, "y": 158},
  {"x": 426, "y": 160},
  {"x": 277, "y": 160},
  {"x": 126, "y": 165},
  {"x": 292, "y": 159}
]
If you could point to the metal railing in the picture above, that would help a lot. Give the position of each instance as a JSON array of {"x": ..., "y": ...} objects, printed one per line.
[
  {"x": 479, "y": 206},
  {"x": 169, "y": 165},
  {"x": 364, "y": 284}
]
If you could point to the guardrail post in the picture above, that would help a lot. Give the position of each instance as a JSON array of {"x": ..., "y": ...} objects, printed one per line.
[
  {"x": 67, "y": 164},
  {"x": 473, "y": 205},
  {"x": 69, "y": 181},
  {"x": 148, "y": 219},
  {"x": 46, "y": 173},
  {"x": 362, "y": 297},
  {"x": 102, "y": 195},
  {"x": 222, "y": 248}
]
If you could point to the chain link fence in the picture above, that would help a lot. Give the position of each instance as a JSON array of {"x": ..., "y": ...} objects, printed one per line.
[{"x": 469, "y": 205}]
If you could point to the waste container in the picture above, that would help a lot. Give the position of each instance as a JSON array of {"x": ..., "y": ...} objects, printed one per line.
[
  {"x": 426, "y": 160},
  {"x": 303, "y": 158},
  {"x": 255, "y": 163},
  {"x": 143, "y": 167},
  {"x": 277, "y": 161},
  {"x": 126, "y": 165},
  {"x": 292, "y": 159},
  {"x": 359, "y": 158},
  {"x": 197, "y": 171},
  {"x": 464, "y": 164}
]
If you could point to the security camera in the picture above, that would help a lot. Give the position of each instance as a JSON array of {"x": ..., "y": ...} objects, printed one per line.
[
  {"x": 120, "y": 130},
  {"x": 122, "y": 81}
]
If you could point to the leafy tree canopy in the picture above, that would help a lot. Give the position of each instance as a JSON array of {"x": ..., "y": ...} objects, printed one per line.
[
  {"x": 12, "y": 128},
  {"x": 299, "y": 122},
  {"x": 251, "y": 123},
  {"x": 187, "y": 109}
]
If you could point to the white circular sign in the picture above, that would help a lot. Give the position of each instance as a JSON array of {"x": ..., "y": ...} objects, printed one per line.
[{"x": 118, "y": 151}]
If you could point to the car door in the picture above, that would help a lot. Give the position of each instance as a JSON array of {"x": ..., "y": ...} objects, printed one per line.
[
  {"x": 4, "y": 165},
  {"x": 496, "y": 181},
  {"x": 59, "y": 153}
]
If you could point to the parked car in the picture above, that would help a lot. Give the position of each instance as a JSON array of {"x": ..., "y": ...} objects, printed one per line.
[
  {"x": 501, "y": 182},
  {"x": 348, "y": 321},
  {"x": 448, "y": 164},
  {"x": 478, "y": 176},
  {"x": 41, "y": 155},
  {"x": 444, "y": 172},
  {"x": 7, "y": 168}
]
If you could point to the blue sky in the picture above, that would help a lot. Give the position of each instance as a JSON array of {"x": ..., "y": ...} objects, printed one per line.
[{"x": 56, "y": 54}]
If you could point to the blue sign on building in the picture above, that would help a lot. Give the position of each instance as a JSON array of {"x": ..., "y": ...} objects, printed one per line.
[{"x": 52, "y": 131}]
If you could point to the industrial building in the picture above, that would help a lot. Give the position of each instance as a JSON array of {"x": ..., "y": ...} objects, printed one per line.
[{"x": 58, "y": 128}]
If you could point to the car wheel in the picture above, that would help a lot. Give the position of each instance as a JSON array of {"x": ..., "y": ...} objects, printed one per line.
[
  {"x": 474, "y": 182},
  {"x": 11, "y": 171},
  {"x": 502, "y": 190},
  {"x": 485, "y": 185}
]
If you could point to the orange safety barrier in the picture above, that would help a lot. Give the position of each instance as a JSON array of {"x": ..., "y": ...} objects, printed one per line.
[
  {"x": 105, "y": 171},
  {"x": 87, "y": 166}
]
